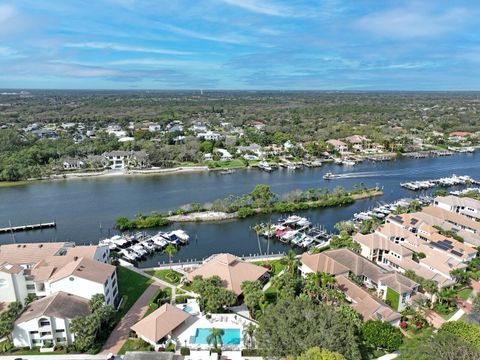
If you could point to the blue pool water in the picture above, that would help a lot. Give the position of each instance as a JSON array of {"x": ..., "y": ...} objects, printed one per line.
[
  {"x": 231, "y": 336},
  {"x": 188, "y": 309}
]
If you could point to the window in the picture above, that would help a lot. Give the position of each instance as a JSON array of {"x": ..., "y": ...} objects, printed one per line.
[
  {"x": 30, "y": 287},
  {"x": 33, "y": 332},
  {"x": 45, "y": 333},
  {"x": 59, "y": 330},
  {"x": 44, "y": 322}
]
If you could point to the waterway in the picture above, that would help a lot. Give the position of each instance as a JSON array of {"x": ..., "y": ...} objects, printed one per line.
[{"x": 85, "y": 209}]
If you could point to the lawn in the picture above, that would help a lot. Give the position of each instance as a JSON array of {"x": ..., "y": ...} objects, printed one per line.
[
  {"x": 152, "y": 304},
  {"x": 135, "y": 345},
  {"x": 169, "y": 276},
  {"x": 464, "y": 294},
  {"x": 131, "y": 286},
  {"x": 277, "y": 265}
]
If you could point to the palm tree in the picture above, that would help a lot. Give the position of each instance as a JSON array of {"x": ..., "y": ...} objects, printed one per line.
[
  {"x": 215, "y": 337},
  {"x": 269, "y": 228},
  {"x": 291, "y": 261},
  {"x": 170, "y": 250},
  {"x": 249, "y": 335},
  {"x": 446, "y": 295},
  {"x": 258, "y": 229}
]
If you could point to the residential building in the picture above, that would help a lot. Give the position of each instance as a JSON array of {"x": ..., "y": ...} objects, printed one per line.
[
  {"x": 338, "y": 145},
  {"x": 462, "y": 205},
  {"x": 122, "y": 159},
  {"x": 45, "y": 268},
  {"x": 231, "y": 270},
  {"x": 158, "y": 326},
  {"x": 46, "y": 322},
  {"x": 225, "y": 155},
  {"x": 209, "y": 135},
  {"x": 390, "y": 285},
  {"x": 459, "y": 136}
]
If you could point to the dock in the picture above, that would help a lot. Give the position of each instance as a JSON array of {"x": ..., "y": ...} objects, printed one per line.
[{"x": 28, "y": 227}]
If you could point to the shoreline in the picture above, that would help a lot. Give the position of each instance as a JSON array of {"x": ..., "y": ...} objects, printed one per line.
[
  {"x": 216, "y": 216},
  {"x": 144, "y": 172}
]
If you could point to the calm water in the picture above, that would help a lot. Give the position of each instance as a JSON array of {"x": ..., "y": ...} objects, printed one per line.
[{"x": 86, "y": 209}]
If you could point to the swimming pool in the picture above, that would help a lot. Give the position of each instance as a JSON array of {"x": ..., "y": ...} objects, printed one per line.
[
  {"x": 188, "y": 309},
  {"x": 230, "y": 337}
]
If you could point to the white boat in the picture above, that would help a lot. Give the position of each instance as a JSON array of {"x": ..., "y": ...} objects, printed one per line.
[
  {"x": 181, "y": 234},
  {"x": 129, "y": 254},
  {"x": 139, "y": 250},
  {"x": 348, "y": 162},
  {"x": 114, "y": 242},
  {"x": 329, "y": 176},
  {"x": 160, "y": 241}
]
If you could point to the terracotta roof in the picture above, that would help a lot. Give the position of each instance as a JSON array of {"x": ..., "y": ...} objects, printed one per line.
[
  {"x": 335, "y": 142},
  {"x": 458, "y": 201},
  {"x": 10, "y": 268},
  {"x": 92, "y": 270},
  {"x": 460, "y": 133},
  {"x": 365, "y": 304},
  {"x": 231, "y": 270},
  {"x": 452, "y": 217},
  {"x": 28, "y": 253},
  {"x": 323, "y": 263},
  {"x": 160, "y": 323},
  {"x": 59, "y": 305},
  {"x": 379, "y": 240}
]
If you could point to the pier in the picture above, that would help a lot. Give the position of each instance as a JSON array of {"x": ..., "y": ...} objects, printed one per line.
[{"x": 28, "y": 227}]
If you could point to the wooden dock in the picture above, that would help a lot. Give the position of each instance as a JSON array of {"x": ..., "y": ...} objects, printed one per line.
[{"x": 28, "y": 227}]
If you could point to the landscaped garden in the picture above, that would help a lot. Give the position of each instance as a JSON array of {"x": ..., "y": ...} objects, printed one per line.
[{"x": 171, "y": 276}]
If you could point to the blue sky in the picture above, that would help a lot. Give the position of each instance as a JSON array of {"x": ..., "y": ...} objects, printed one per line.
[{"x": 240, "y": 44}]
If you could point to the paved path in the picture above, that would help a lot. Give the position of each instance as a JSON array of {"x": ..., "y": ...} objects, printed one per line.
[
  {"x": 120, "y": 334},
  {"x": 55, "y": 357},
  {"x": 434, "y": 319}
]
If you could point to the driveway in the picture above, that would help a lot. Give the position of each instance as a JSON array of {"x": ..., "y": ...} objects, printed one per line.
[{"x": 120, "y": 334}]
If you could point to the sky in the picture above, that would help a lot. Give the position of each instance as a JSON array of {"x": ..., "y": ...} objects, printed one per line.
[{"x": 240, "y": 44}]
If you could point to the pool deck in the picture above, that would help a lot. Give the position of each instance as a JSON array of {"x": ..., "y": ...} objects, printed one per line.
[{"x": 184, "y": 333}]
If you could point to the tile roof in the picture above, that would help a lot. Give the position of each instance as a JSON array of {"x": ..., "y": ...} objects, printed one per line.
[
  {"x": 160, "y": 323},
  {"x": 59, "y": 305},
  {"x": 231, "y": 270},
  {"x": 92, "y": 270}
]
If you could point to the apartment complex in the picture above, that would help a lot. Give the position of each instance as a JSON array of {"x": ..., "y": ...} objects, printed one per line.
[
  {"x": 350, "y": 268},
  {"x": 63, "y": 277}
]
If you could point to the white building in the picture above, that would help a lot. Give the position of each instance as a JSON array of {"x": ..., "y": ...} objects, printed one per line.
[
  {"x": 43, "y": 269},
  {"x": 209, "y": 135},
  {"x": 462, "y": 205},
  {"x": 119, "y": 160},
  {"x": 46, "y": 322}
]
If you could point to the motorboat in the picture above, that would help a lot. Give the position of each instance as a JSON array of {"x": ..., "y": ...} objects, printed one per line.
[{"x": 329, "y": 176}]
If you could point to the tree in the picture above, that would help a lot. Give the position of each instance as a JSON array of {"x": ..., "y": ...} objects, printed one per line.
[
  {"x": 381, "y": 335},
  {"x": 258, "y": 229},
  {"x": 460, "y": 276},
  {"x": 476, "y": 305},
  {"x": 345, "y": 226},
  {"x": 215, "y": 337},
  {"x": 317, "y": 353},
  {"x": 252, "y": 294},
  {"x": 262, "y": 196},
  {"x": 414, "y": 206},
  {"x": 170, "y": 250},
  {"x": 249, "y": 335},
  {"x": 213, "y": 297},
  {"x": 350, "y": 315},
  {"x": 290, "y": 261},
  {"x": 447, "y": 296},
  {"x": 437, "y": 347},
  {"x": 288, "y": 285},
  {"x": 8, "y": 317},
  {"x": 467, "y": 332},
  {"x": 294, "y": 325}
]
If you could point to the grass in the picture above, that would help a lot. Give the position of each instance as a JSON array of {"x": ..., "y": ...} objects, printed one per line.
[
  {"x": 277, "y": 265},
  {"x": 135, "y": 345},
  {"x": 131, "y": 286},
  {"x": 232, "y": 164},
  {"x": 186, "y": 287},
  {"x": 464, "y": 294},
  {"x": 169, "y": 276},
  {"x": 152, "y": 305}
]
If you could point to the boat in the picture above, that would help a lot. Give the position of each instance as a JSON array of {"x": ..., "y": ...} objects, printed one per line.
[
  {"x": 265, "y": 166},
  {"x": 329, "y": 176},
  {"x": 348, "y": 162},
  {"x": 180, "y": 234},
  {"x": 227, "y": 172},
  {"x": 129, "y": 254}
]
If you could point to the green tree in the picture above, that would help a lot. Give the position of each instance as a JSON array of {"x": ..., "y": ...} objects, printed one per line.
[
  {"x": 447, "y": 296},
  {"x": 294, "y": 325},
  {"x": 290, "y": 261},
  {"x": 317, "y": 353},
  {"x": 249, "y": 335},
  {"x": 215, "y": 337},
  {"x": 170, "y": 250},
  {"x": 252, "y": 294},
  {"x": 213, "y": 297},
  {"x": 345, "y": 226},
  {"x": 381, "y": 335},
  {"x": 468, "y": 332},
  {"x": 262, "y": 196}
]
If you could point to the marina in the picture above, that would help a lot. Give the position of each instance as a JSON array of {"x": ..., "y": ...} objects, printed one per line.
[
  {"x": 453, "y": 180},
  {"x": 98, "y": 202}
]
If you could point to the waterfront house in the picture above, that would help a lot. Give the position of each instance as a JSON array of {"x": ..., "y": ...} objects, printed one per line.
[
  {"x": 462, "y": 205},
  {"x": 120, "y": 160},
  {"x": 457, "y": 220},
  {"x": 459, "y": 136},
  {"x": 338, "y": 145},
  {"x": 46, "y": 268},
  {"x": 156, "y": 328},
  {"x": 250, "y": 149},
  {"x": 209, "y": 135},
  {"x": 390, "y": 285},
  {"x": 231, "y": 270},
  {"x": 46, "y": 322},
  {"x": 224, "y": 154}
]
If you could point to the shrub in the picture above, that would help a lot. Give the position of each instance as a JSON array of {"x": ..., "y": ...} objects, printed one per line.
[
  {"x": 185, "y": 351},
  {"x": 403, "y": 325},
  {"x": 251, "y": 352}
]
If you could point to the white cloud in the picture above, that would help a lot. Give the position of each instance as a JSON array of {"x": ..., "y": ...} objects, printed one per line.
[
  {"x": 264, "y": 7},
  {"x": 127, "y": 48},
  {"x": 228, "y": 38},
  {"x": 7, "y": 52},
  {"x": 6, "y": 13},
  {"x": 411, "y": 23}
]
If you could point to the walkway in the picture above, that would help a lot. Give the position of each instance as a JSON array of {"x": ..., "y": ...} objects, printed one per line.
[
  {"x": 55, "y": 357},
  {"x": 120, "y": 334},
  {"x": 434, "y": 319}
]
